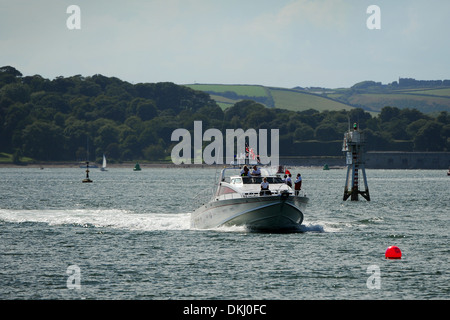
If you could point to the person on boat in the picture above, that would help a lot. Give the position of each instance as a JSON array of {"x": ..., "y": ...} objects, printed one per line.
[
  {"x": 256, "y": 171},
  {"x": 265, "y": 188},
  {"x": 245, "y": 172},
  {"x": 298, "y": 184},
  {"x": 289, "y": 180}
]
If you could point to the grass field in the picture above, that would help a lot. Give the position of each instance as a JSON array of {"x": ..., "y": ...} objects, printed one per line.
[
  {"x": 8, "y": 158},
  {"x": 424, "y": 103},
  {"x": 240, "y": 90},
  {"x": 299, "y": 101},
  {"x": 223, "y": 102},
  {"x": 425, "y": 100},
  {"x": 445, "y": 92},
  {"x": 282, "y": 98}
]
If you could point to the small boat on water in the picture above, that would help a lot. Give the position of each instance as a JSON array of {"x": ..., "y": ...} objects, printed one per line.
[
  {"x": 240, "y": 201},
  {"x": 103, "y": 168},
  {"x": 83, "y": 166},
  {"x": 137, "y": 167}
]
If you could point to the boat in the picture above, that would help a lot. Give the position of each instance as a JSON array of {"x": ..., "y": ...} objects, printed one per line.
[
  {"x": 83, "y": 166},
  {"x": 103, "y": 168},
  {"x": 239, "y": 201},
  {"x": 137, "y": 167}
]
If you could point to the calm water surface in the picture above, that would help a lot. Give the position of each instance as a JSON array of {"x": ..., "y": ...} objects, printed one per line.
[{"x": 129, "y": 235}]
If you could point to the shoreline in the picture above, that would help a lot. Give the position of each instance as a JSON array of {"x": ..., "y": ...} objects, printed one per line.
[
  {"x": 112, "y": 165},
  {"x": 130, "y": 165}
]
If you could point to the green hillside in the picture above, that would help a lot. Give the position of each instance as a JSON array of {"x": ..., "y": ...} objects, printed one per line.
[
  {"x": 425, "y": 96},
  {"x": 295, "y": 100},
  {"x": 240, "y": 90},
  {"x": 368, "y": 95},
  {"x": 289, "y": 99},
  {"x": 443, "y": 92},
  {"x": 79, "y": 118},
  {"x": 422, "y": 102}
]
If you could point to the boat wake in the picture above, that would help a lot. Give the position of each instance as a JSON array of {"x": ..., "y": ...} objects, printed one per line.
[
  {"x": 312, "y": 228},
  {"x": 101, "y": 218},
  {"x": 321, "y": 227},
  {"x": 129, "y": 220},
  {"x": 309, "y": 227}
]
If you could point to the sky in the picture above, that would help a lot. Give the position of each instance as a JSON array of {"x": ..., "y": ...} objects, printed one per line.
[{"x": 280, "y": 43}]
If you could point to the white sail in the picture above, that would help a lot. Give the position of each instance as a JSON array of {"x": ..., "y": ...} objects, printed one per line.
[{"x": 104, "y": 163}]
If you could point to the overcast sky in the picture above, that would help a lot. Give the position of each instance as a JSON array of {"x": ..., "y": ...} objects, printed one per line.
[{"x": 283, "y": 43}]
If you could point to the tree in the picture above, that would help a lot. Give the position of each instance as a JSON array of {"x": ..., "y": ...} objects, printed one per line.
[
  {"x": 89, "y": 88},
  {"x": 396, "y": 128},
  {"x": 153, "y": 152},
  {"x": 131, "y": 143},
  {"x": 11, "y": 71},
  {"x": 148, "y": 136},
  {"x": 414, "y": 127},
  {"x": 304, "y": 132},
  {"x": 258, "y": 116},
  {"x": 75, "y": 133},
  {"x": 146, "y": 110},
  {"x": 327, "y": 132},
  {"x": 51, "y": 120},
  {"x": 115, "y": 111},
  {"x": 360, "y": 116},
  {"x": 412, "y": 115},
  {"x": 443, "y": 117},
  {"x": 43, "y": 141},
  {"x": 377, "y": 140},
  {"x": 429, "y": 137},
  {"x": 9, "y": 74},
  {"x": 387, "y": 113},
  {"x": 17, "y": 92},
  {"x": 106, "y": 135},
  {"x": 113, "y": 151}
]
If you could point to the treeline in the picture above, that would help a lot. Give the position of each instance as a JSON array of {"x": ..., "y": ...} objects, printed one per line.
[
  {"x": 403, "y": 83},
  {"x": 65, "y": 118},
  {"x": 413, "y": 83}
]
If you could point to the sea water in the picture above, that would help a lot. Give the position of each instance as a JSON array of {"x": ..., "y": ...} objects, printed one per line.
[{"x": 127, "y": 235}]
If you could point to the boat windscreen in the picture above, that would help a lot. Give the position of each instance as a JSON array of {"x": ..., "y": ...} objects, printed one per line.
[{"x": 258, "y": 180}]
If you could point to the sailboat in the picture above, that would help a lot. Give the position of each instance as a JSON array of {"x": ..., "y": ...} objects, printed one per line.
[{"x": 104, "y": 164}]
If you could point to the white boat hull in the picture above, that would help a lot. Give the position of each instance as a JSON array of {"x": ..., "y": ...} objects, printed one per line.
[{"x": 264, "y": 214}]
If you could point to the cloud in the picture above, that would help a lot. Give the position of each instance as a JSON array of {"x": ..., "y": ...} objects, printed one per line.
[
  {"x": 283, "y": 43},
  {"x": 319, "y": 14}
]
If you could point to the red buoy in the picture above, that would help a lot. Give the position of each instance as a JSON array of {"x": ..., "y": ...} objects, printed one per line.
[{"x": 393, "y": 252}]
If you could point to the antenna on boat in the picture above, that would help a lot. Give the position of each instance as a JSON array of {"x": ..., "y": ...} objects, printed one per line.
[{"x": 354, "y": 147}]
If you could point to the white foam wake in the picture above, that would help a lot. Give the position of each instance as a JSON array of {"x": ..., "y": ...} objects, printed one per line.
[
  {"x": 128, "y": 220},
  {"x": 320, "y": 227},
  {"x": 110, "y": 218}
]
